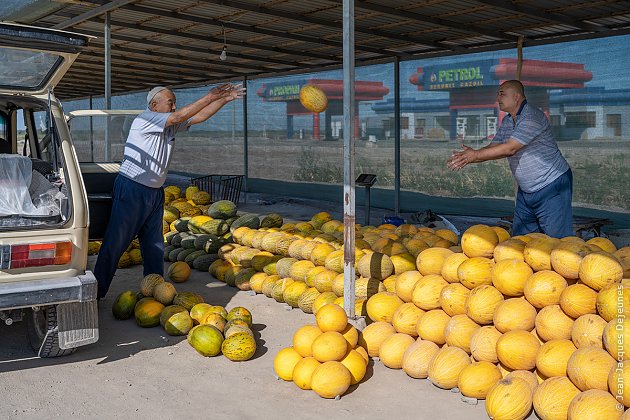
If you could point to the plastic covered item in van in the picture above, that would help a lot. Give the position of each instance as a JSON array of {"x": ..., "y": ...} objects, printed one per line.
[{"x": 16, "y": 176}]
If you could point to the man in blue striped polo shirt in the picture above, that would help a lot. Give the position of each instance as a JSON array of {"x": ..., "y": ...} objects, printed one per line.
[{"x": 544, "y": 178}]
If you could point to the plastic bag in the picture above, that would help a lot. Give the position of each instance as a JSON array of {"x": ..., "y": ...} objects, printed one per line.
[{"x": 16, "y": 174}]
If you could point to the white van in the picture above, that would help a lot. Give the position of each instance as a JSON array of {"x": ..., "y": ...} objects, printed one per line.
[{"x": 44, "y": 214}]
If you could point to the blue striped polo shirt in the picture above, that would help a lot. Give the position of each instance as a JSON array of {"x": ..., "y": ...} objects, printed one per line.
[{"x": 539, "y": 162}]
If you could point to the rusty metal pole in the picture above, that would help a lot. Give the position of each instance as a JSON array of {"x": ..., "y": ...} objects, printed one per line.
[{"x": 348, "y": 158}]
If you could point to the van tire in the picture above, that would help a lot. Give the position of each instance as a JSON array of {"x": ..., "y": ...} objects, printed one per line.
[{"x": 43, "y": 332}]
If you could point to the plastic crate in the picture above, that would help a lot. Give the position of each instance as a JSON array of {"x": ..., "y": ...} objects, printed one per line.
[{"x": 220, "y": 187}]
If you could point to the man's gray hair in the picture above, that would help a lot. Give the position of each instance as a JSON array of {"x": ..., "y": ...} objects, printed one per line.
[{"x": 154, "y": 92}]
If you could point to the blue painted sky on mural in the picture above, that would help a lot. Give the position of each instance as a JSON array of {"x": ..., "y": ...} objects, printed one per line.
[{"x": 607, "y": 58}]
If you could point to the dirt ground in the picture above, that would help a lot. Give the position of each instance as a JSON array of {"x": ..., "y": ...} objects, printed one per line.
[{"x": 144, "y": 373}]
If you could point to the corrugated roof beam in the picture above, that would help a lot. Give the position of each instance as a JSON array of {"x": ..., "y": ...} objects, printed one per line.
[
  {"x": 543, "y": 14},
  {"x": 327, "y": 23},
  {"x": 107, "y": 7}
]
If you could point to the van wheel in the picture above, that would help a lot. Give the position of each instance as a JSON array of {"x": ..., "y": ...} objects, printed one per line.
[{"x": 43, "y": 332}]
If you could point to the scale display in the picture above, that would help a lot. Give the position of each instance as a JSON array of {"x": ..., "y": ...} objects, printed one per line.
[{"x": 365, "y": 180}]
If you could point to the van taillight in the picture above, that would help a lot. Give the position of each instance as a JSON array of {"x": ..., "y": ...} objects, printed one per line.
[{"x": 36, "y": 255}]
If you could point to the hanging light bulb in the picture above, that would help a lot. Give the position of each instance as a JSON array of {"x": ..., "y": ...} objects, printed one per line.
[{"x": 223, "y": 55}]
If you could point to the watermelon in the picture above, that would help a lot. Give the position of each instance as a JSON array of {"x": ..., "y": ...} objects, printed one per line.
[
  {"x": 273, "y": 220},
  {"x": 249, "y": 220},
  {"x": 124, "y": 304},
  {"x": 206, "y": 339},
  {"x": 222, "y": 209},
  {"x": 239, "y": 347}
]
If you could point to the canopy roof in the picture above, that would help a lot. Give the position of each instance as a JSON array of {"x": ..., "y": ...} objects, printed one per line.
[{"x": 157, "y": 42}]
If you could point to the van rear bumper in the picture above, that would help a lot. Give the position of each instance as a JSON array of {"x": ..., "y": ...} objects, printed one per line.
[{"x": 25, "y": 294}]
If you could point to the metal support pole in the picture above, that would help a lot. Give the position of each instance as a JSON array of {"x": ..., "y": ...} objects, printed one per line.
[
  {"x": 108, "y": 82},
  {"x": 367, "y": 205},
  {"x": 348, "y": 158},
  {"x": 397, "y": 136},
  {"x": 245, "y": 143}
]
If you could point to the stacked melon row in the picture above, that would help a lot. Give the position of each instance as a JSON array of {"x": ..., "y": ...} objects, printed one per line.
[
  {"x": 131, "y": 256},
  {"x": 324, "y": 357},
  {"x": 210, "y": 329},
  {"x": 303, "y": 266},
  {"x": 196, "y": 240},
  {"x": 545, "y": 309}
]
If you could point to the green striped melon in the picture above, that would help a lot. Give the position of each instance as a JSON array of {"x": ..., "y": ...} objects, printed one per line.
[
  {"x": 206, "y": 339},
  {"x": 239, "y": 347},
  {"x": 249, "y": 220},
  {"x": 222, "y": 209},
  {"x": 147, "y": 312},
  {"x": 124, "y": 304},
  {"x": 271, "y": 220},
  {"x": 307, "y": 298},
  {"x": 187, "y": 299}
]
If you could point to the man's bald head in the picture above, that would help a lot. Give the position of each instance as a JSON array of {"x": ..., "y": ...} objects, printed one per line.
[
  {"x": 514, "y": 84},
  {"x": 510, "y": 96}
]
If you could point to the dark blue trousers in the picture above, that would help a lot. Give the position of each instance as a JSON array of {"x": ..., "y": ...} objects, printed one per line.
[
  {"x": 137, "y": 210},
  {"x": 547, "y": 210}
]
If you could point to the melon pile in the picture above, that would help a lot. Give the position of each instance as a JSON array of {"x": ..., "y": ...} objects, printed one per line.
[
  {"x": 301, "y": 263},
  {"x": 210, "y": 329},
  {"x": 325, "y": 357},
  {"x": 527, "y": 322},
  {"x": 130, "y": 257}
]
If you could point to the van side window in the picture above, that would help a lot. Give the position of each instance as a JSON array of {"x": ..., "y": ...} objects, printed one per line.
[{"x": 5, "y": 141}]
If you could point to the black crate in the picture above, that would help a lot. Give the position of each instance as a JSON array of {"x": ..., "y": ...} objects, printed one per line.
[{"x": 220, "y": 187}]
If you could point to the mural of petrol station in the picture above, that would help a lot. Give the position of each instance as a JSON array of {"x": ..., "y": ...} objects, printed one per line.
[{"x": 290, "y": 94}]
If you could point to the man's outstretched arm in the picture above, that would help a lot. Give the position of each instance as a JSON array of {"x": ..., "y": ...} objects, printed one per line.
[
  {"x": 493, "y": 151},
  {"x": 238, "y": 91}
]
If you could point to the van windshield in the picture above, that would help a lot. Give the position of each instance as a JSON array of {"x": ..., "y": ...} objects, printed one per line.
[{"x": 26, "y": 69}]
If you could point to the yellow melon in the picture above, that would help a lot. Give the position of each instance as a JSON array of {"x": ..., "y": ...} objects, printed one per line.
[
  {"x": 284, "y": 363},
  {"x": 303, "y": 372},
  {"x": 479, "y": 241},
  {"x": 446, "y": 365},
  {"x": 447, "y": 234},
  {"x": 351, "y": 335},
  {"x": 416, "y": 246},
  {"x": 510, "y": 398},
  {"x": 482, "y": 302},
  {"x": 613, "y": 301},
  {"x": 356, "y": 365},
  {"x": 323, "y": 280},
  {"x": 553, "y": 324},
  {"x": 403, "y": 262},
  {"x": 515, "y": 314},
  {"x": 510, "y": 275},
  {"x": 528, "y": 376},
  {"x": 453, "y": 298},
  {"x": 544, "y": 288},
  {"x": 483, "y": 344},
  {"x": 431, "y": 326},
  {"x": 553, "y": 356},
  {"x": 405, "y": 282},
  {"x": 616, "y": 338},
  {"x": 331, "y": 379},
  {"x": 475, "y": 271},
  {"x": 512, "y": 249},
  {"x": 517, "y": 349},
  {"x": 578, "y": 299},
  {"x": 430, "y": 260},
  {"x": 594, "y": 404},
  {"x": 392, "y": 349},
  {"x": 309, "y": 278},
  {"x": 406, "y": 318},
  {"x": 303, "y": 339},
  {"x": 381, "y": 306},
  {"x": 406, "y": 230},
  {"x": 552, "y": 398},
  {"x": 451, "y": 265},
  {"x": 476, "y": 379},
  {"x": 256, "y": 281},
  {"x": 618, "y": 380},
  {"x": 390, "y": 283},
  {"x": 600, "y": 269},
  {"x": 566, "y": 258},
  {"x": 537, "y": 252},
  {"x": 375, "y": 265},
  {"x": 329, "y": 346},
  {"x": 459, "y": 331},
  {"x": 588, "y": 330},
  {"x": 417, "y": 357},
  {"x": 373, "y": 335},
  {"x": 323, "y": 299},
  {"x": 588, "y": 368},
  {"x": 331, "y": 318},
  {"x": 426, "y": 292},
  {"x": 320, "y": 252},
  {"x": 604, "y": 243}
]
